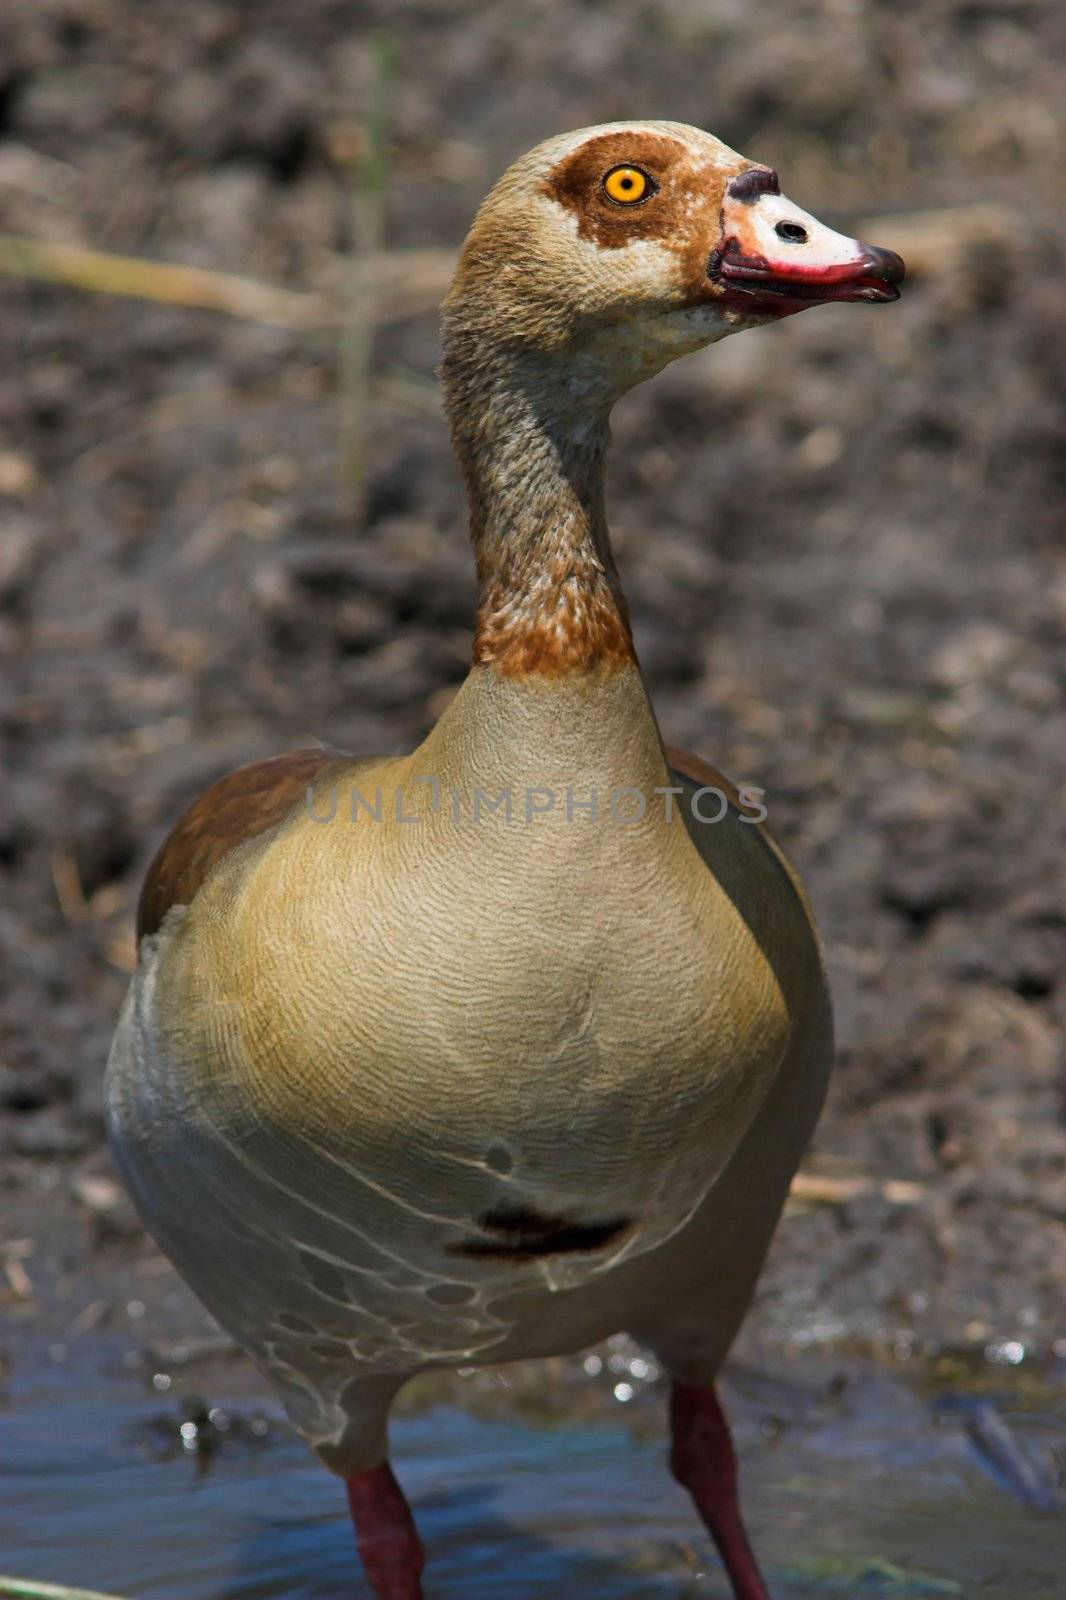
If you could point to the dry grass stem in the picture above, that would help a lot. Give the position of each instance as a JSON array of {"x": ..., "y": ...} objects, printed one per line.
[{"x": 27, "y": 1589}]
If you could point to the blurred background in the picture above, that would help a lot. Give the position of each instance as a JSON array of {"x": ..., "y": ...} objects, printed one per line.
[{"x": 227, "y": 532}]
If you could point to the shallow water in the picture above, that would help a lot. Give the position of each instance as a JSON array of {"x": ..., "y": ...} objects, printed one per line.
[{"x": 866, "y": 1487}]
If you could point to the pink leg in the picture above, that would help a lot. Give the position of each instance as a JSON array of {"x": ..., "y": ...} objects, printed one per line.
[
  {"x": 702, "y": 1459},
  {"x": 386, "y": 1535}
]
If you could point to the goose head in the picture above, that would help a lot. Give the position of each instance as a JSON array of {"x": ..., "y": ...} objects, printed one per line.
[{"x": 606, "y": 253}]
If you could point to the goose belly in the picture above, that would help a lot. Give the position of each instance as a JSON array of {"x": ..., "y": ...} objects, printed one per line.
[
  {"x": 424, "y": 1148},
  {"x": 461, "y": 1117}
]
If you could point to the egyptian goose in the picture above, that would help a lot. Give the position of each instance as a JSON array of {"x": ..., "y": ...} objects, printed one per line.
[{"x": 489, "y": 1051}]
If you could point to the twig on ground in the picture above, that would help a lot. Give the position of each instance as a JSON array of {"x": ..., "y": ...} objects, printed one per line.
[
  {"x": 27, "y": 1589},
  {"x": 102, "y": 273},
  {"x": 818, "y": 1189}
]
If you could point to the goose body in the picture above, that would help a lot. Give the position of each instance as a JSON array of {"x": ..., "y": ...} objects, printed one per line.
[{"x": 498, "y": 1048}]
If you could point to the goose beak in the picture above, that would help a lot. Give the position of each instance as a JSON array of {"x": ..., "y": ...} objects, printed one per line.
[
  {"x": 871, "y": 274},
  {"x": 773, "y": 258}
]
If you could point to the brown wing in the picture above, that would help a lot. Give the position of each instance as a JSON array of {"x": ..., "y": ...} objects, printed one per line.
[
  {"x": 236, "y": 808},
  {"x": 699, "y": 771}
]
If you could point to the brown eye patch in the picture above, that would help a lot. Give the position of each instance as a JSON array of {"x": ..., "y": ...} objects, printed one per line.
[
  {"x": 686, "y": 187},
  {"x": 580, "y": 183}
]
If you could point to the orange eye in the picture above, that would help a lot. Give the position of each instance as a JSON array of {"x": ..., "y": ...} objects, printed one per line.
[{"x": 626, "y": 185}]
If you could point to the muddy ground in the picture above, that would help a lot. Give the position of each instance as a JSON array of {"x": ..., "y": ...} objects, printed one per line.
[{"x": 841, "y": 538}]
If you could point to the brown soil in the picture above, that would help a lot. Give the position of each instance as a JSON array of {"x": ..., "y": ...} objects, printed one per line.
[{"x": 840, "y": 538}]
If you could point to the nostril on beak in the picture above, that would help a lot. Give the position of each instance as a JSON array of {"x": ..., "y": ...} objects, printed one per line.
[
  {"x": 794, "y": 232},
  {"x": 885, "y": 264}
]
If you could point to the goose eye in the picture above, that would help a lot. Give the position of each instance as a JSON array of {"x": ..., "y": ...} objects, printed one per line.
[{"x": 627, "y": 185}]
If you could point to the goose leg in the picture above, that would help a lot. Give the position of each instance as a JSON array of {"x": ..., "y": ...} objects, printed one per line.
[
  {"x": 702, "y": 1459},
  {"x": 386, "y": 1535}
]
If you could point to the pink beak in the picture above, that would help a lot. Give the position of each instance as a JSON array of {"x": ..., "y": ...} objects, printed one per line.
[{"x": 872, "y": 275}]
